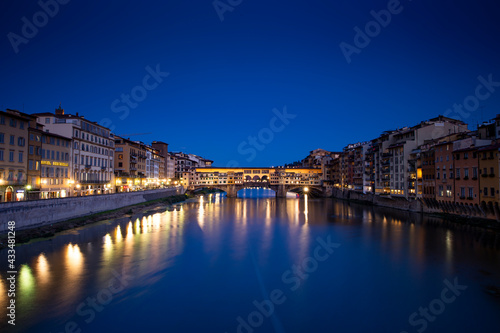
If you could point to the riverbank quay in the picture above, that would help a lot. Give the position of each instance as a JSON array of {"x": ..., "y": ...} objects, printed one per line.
[
  {"x": 49, "y": 230},
  {"x": 474, "y": 216},
  {"x": 35, "y": 213}
]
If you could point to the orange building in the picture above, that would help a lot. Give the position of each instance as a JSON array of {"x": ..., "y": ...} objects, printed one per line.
[
  {"x": 444, "y": 180},
  {"x": 488, "y": 158},
  {"x": 466, "y": 173}
]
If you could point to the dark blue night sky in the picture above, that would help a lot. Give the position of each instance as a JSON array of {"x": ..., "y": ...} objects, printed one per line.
[{"x": 225, "y": 77}]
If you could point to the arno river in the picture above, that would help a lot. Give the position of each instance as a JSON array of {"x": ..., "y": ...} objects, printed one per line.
[{"x": 260, "y": 265}]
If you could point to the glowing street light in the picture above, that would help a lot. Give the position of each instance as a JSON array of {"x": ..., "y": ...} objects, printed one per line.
[{"x": 306, "y": 189}]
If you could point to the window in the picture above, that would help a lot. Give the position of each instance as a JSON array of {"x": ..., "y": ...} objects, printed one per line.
[
  {"x": 21, "y": 124},
  {"x": 462, "y": 192},
  {"x": 440, "y": 190},
  {"x": 120, "y": 164},
  {"x": 2, "y": 120},
  {"x": 1, "y": 155},
  {"x": 485, "y": 191},
  {"x": 444, "y": 175},
  {"x": 12, "y": 139},
  {"x": 52, "y": 154},
  {"x": 20, "y": 157},
  {"x": 474, "y": 172},
  {"x": 47, "y": 120},
  {"x": 466, "y": 173},
  {"x": 11, "y": 156},
  {"x": 13, "y": 123},
  {"x": 30, "y": 164},
  {"x": 492, "y": 191},
  {"x": 458, "y": 172},
  {"x": 31, "y": 150},
  {"x": 57, "y": 156},
  {"x": 466, "y": 156},
  {"x": 471, "y": 192},
  {"x": 2, "y": 138},
  {"x": 448, "y": 191},
  {"x": 492, "y": 171},
  {"x": 43, "y": 153},
  {"x": 21, "y": 142}
]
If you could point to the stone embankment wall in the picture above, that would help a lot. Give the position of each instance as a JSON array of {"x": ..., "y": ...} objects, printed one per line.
[
  {"x": 29, "y": 214},
  {"x": 423, "y": 206}
]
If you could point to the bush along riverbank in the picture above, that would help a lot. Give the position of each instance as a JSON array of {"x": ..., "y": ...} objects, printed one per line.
[{"x": 49, "y": 230}]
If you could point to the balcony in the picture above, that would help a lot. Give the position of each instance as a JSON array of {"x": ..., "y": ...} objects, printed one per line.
[
  {"x": 88, "y": 166},
  {"x": 12, "y": 182},
  {"x": 94, "y": 181}
]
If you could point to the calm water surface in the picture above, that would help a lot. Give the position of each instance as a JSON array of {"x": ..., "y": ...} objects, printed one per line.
[{"x": 213, "y": 264}]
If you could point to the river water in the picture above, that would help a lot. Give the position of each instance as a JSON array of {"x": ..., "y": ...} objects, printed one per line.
[{"x": 217, "y": 264}]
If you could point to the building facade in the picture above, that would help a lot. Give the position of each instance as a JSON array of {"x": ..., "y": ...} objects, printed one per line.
[{"x": 13, "y": 155}]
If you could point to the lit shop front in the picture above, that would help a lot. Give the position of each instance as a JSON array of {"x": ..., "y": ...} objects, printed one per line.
[{"x": 55, "y": 182}]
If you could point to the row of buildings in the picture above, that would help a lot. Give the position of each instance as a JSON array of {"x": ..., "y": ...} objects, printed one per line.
[
  {"x": 55, "y": 155},
  {"x": 439, "y": 160}
]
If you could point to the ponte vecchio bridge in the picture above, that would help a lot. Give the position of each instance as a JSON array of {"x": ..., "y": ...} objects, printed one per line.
[{"x": 280, "y": 180}]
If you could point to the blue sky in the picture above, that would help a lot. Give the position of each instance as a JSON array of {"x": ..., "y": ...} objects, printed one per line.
[{"x": 225, "y": 77}]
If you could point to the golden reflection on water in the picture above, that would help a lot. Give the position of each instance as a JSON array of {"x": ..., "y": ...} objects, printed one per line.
[
  {"x": 306, "y": 210},
  {"x": 3, "y": 291},
  {"x": 201, "y": 213},
  {"x": 42, "y": 270},
  {"x": 118, "y": 234}
]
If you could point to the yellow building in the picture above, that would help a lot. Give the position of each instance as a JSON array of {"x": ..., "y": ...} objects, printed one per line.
[
  {"x": 13, "y": 155},
  {"x": 55, "y": 166},
  {"x": 34, "y": 160},
  {"x": 130, "y": 165}
]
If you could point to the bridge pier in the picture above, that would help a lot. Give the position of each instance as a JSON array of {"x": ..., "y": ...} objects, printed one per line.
[
  {"x": 232, "y": 191},
  {"x": 281, "y": 191}
]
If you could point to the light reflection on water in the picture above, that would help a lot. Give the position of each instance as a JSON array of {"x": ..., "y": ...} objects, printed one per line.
[{"x": 213, "y": 248}]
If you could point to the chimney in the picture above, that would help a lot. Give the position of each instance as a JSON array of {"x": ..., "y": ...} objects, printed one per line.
[{"x": 59, "y": 111}]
